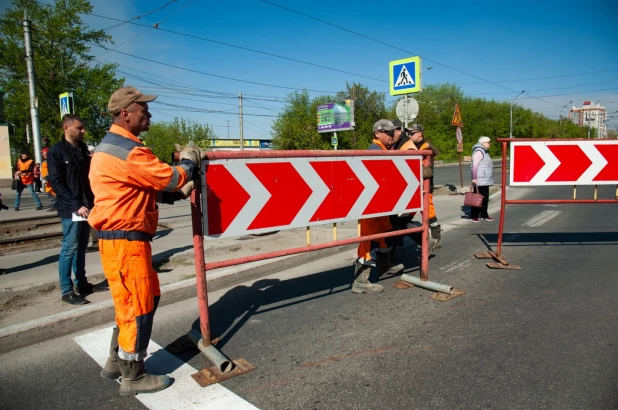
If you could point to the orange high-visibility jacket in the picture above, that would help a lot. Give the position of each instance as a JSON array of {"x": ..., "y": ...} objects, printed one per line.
[
  {"x": 27, "y": 175},
  {"x": 125, "y": 177},
  {"x": 44, "y": 173}
]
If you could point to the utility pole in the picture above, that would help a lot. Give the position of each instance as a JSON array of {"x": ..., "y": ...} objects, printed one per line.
[
  {"x": 511, "y": 128},
  {"x": 242, "y": 144},
  {"x": 34, "y": 103}
]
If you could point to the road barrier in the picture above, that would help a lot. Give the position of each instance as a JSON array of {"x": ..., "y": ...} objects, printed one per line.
[
  {"x": 249, "y": 192},
  {"x": 545, "y": 162}
]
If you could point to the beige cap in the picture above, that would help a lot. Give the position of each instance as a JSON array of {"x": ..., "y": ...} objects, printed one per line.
[{"x": 126, "y": 96}]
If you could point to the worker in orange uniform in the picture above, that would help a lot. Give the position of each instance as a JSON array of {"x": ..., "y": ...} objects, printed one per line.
[
  {"x": 127, "y": 180},
  {"x": 23, "y": 172},
  {"x": 378, "y": 250},
  {"x": 51, "y": 195},
  {"x": 417, "y": 141}
]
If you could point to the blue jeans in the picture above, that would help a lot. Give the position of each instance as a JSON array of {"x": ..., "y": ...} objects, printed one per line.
[
  {"x": 73, "y": 255},
  {"x": 20, "y": 188}
]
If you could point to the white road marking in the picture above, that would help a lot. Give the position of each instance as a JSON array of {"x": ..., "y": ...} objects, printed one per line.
[
  {"x": 542, "y": 218},
  {"x": 184, "y": 393},
  {"x": 455, "y": 265}
]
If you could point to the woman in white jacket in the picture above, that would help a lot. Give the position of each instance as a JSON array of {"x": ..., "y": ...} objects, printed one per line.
[{"x": 482, "y": 177}]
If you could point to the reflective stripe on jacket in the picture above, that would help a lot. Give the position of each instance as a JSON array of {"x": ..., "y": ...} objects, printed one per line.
[{"x": 125, "y": 177}]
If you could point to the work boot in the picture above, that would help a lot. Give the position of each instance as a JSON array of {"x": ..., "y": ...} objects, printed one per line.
[
  {"x": 111, "y": 370},
  {"x": 74, "y": 299},
  {"x": 361, "y": 280},
  {"x": 436, "y": 233},
  {"x": 135, "y": 380},
  {"x": 39, "y": 208},
  {"x": 16, "y": 209},
  {"x": 386, "y": 267}
]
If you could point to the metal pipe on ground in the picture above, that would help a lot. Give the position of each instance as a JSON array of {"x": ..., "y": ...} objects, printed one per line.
[
  {"x": 427, "y": 284},
  {"x": 212, "y": 353}
]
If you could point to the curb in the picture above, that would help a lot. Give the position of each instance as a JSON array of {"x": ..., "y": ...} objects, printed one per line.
[{"x": 95, "y": 314}]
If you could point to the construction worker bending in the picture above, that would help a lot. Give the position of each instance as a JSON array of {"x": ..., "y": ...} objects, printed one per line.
[
  {"x": 378, "y": 250},
  {"x": 127, "y": 179},
  {"x": 416, "y": 141}
]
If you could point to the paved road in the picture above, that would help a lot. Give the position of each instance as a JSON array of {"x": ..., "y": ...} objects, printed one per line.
[
  {"x": 449, "y": 175},
  {"x": 541, "y": 337}
]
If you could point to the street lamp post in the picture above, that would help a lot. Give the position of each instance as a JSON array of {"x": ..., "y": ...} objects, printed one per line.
[{"x": 511, "y": 130}]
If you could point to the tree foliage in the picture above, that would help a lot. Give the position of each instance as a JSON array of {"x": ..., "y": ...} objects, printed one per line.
[
  {"x": 162, "y": 136},
  {"x": 296, "y": 127},
  {"x": 62, "y": 63}
]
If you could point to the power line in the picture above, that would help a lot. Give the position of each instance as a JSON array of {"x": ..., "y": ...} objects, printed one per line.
[
  {"x": 243, "y": 48},
  {"x": 547, "y": 78},
  {"x": 123, "y": 22},
  {"x": 209, "y": 74}
]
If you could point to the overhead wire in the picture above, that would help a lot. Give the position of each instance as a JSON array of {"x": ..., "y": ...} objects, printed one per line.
[{"x": 244, "y": 48}]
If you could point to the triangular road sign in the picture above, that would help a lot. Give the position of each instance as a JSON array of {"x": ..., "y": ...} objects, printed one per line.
[
  {"x": 404, "y": 77},
  {"x": 457, "y": 117}
]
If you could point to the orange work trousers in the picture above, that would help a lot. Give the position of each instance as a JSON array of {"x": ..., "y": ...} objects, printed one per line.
[
  {"x": 135, "y": 290},
  {"x": 432, "y": 209},
  {"x": 372, "y": 226}
]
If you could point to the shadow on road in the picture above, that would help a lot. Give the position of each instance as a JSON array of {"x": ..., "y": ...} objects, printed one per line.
[{"x": 551, "y": 238}]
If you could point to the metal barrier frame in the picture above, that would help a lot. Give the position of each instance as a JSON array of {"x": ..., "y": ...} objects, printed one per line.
[
  {"x": 504, "y": 201},
  {"x": 225, "y": 368}
]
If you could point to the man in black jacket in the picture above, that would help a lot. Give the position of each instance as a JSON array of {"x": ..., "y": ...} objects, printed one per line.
[{"x": 69, "y": 163}]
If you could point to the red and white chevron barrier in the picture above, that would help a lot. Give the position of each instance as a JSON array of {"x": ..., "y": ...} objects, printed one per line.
[
  {"x": 586, "y": 162},
  {"x": 246, "y": 196}
]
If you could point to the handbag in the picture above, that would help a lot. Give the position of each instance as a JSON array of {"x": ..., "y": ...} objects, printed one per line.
[
  {"x": 14, "y": 185},
  {"x": 473, "y": 198}
]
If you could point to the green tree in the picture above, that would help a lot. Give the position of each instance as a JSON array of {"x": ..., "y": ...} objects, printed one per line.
[
  {"x": 62, "y": 63},
  {"x": 296, "y": 127},
  {"x": 162, "y": 136}
]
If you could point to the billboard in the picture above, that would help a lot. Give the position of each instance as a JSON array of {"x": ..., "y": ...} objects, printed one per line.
[{"x": 336, "y": 116}]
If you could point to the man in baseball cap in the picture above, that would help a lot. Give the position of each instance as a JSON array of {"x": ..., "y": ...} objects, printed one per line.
[{"x": 124, "y": 97}]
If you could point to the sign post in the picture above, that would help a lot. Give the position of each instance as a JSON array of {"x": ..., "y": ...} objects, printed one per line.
[
  {"x": 334, "y": 142},
  {"x": 458, "y": 122}
]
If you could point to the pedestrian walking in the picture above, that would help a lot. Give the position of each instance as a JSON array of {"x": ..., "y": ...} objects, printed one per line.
[
  {"x": 127, "y": 179},
  {"x": 68, "y": 165},
  {"x": 482, "y": 177},
  {"x": 23, "y": 173}
]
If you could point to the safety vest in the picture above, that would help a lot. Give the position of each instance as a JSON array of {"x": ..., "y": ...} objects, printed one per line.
[
  {"x": 44, "y": 173},
  {"x": 27, "y": 178},
  {"x": 125, "y": 177}
]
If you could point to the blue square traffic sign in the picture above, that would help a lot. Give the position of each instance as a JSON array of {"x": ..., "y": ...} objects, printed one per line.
[{"x": 405, "y": 76}]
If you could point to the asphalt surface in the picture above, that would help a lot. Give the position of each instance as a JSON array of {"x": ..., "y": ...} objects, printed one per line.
[{"x": 541, "y": 337}]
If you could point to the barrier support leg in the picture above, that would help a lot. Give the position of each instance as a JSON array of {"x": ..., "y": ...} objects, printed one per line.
[
  {"x": 223, "y": 368},
  {"x": 423, "y": 281},
  {"x": 500, "y": 262}
]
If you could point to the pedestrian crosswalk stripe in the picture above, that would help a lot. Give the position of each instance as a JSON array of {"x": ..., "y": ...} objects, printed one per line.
[{"x": 184, "y": 393}]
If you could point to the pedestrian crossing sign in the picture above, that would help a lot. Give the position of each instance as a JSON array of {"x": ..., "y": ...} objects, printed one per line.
[
  {"x": 405, "y": 76},
  {"x": 66, "y": 104}
]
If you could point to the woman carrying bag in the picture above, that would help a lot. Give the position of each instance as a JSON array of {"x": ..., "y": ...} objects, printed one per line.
[{"x": 482, "y": 177}]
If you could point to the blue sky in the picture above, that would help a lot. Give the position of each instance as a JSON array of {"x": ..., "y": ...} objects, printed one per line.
[{"x": 517, "y": 44}]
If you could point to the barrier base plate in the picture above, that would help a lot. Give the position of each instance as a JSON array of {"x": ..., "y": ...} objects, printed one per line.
[
  {"x": 495, "y": 265},
  {"x": 400, "y": 284},
  {"x": 483, "y": 255},
  {"x": 443, "y": 297},
  {"x": 212, "y": 375}
]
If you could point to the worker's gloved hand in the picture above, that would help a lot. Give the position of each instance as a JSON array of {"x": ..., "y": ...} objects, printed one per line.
[
  {"x": 190, "y": 152},
  {"x": 186, "y": 189},
  {"x": 435, "y": 151}
]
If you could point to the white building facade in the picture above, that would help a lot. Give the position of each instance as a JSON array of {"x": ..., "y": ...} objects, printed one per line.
[{"x": 590, "y": 116}]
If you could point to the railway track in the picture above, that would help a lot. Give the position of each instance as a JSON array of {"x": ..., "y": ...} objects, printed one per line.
[
  {"x": 13, "y": 226},
  {"x": 30, "y": 234}
]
